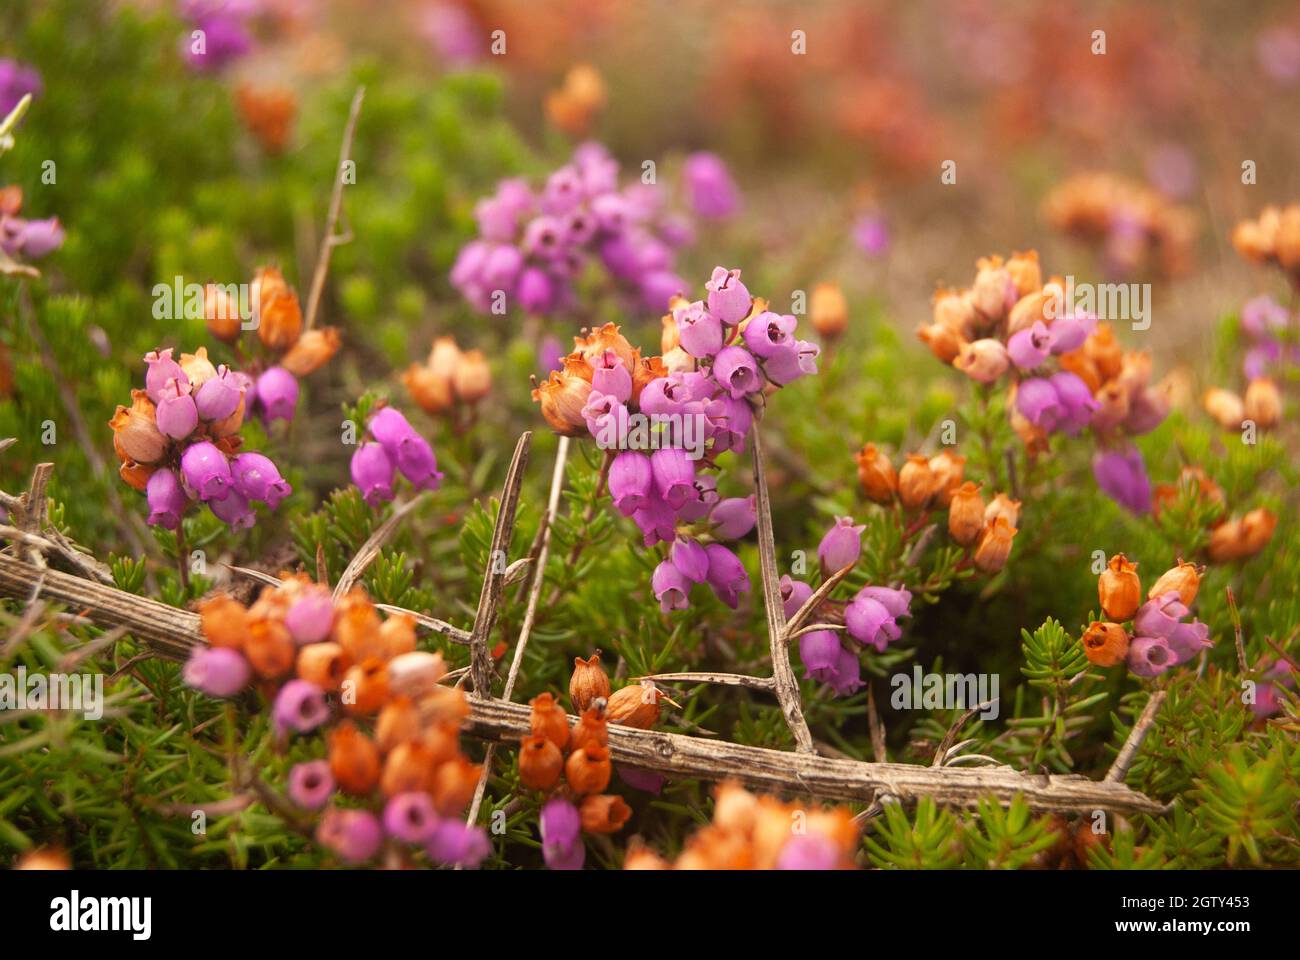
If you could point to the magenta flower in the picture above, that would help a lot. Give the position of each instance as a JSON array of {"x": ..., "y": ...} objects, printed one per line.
[
  {"x": 728, "y": 299},
  {"x": 1160, "y": 616},
  {"x": 727, "y": 575},
  {"x": 631, "y": 481},
  {"x": 418, "y": 464},
  {"x": 372, "y": 472},
  {"x": 841, "y": 545},
  {"x": 166, "y": 499},
  {"x": 16, "y": 81},
  {"x": 897, "y": 602},
  {"x": 737, "y": 371},
  {"x": 690, "y": 558},
  {"x": 674, "y": 475},
  {"x": 640, "y": 779},
  {"x": 561, "y": 826},
  {"x": 733, "y": 518},
  {"x": 458, "y": 844},
  {"x": 791, "y": 362},
  {"x": 161, "y": 369},
  {"x": 34, "y": 239},
  {"x": 411, "y": 818},
  {"x": 671, "y": 588},
  {"x": 657, "y": 521},
  {"x": 794, "y": 594},
  {"x": 176, "y": 414},
  {"x": 310, "y": 617},
  {"x": 871, "y": 234},
  {"x": 235, "y": 510},
  {"x": 610, "y": 377},
  {"x": 1069, "y": 333},
  {"x": 311, "y": 784},
  {"x": 218, "y": 397},
  {"x": 1031, "y": 346},
  {"x": 299, "y": 707},
  {"x": 870, "y": 623},
  {"x": 1188, "y": 639},
  {"x": 820, "y": 653},
  {"x": 257, "y": 478},
  {"x": 709, "y": 187},
  {"x": 216, "y": 671},
  {"x": 848, "y": 674},
  {"x": 353, "y": 835},
  {"x": 699, "y": 330},
  {"x": 1149, "y": 656},
  {"x": 1038, "y": 402},
  {"x": 1076, "y": 401},
  {"x": 221, "y": 39},
  {"x": 809, "y": 851},
  {"x": 769, "y": 334},
  {"x": 205, "y": 472},
  {"x": 1122, "y": 476},
  {"x": 277, "y": 394}
]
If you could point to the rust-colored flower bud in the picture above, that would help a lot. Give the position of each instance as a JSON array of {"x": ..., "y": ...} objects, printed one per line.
[
  {"x": 399, "y": 722},
  {"x": 356, "y": 626},
  {"x": 443, "y": 740},
  {"x": 1225, "y": 407},
  {"x": 1185, "y": 578},
  {"x": 1257, "y": 530},
  {"x": 916, "y": 482},
  {"x": 828, "y": 310},
  {"x": 136, "y": 475},
  {"x": 983, "y": 360},
  {"x": 444, "y": 705},
  {"x": 408, "y": 769},
  {"x": 670, "y": 337},
  {"x": 224, "y": 621},
  {"x": 472, "y": 380},
  {"x": 540, "y": 763},
  {"x": 1028, "y": 310},
  {"x": 415, "y": 674},
  {"x": 1105, "y": 644},
  {"x": 734, "y": 807},
  {"x": 641, "y": 857},
  {"x": 562, "y": 398},
  {"x": 876, "y": 475},
  {"x": 135, "y": 431},
  {"x": 269, "y": 647},
  {"x": 354, "y": 759},
  {"x": 397, "y": 634},
  {"x": 635, "y": 706},
  {"x": 603, "y": 813},
  {"x": 549, "y": 720},
  {"x": 945, "y": 342},
  {"x": 588, "y": 770},
  {"x": 434, "y": 394},
  {"x": 588, "y": 682},
  {"x": 279, "y": 317},
  {"x": 311, "y": 351},
  {"x": 47, "y": 858},
  {"x": 221, "y": 312},
  {"x": 1105, "y": 352},
  {"x": 994, "y": 546},
  {"x": 591, "y": 728},
  {"x": 948, "y": 469},
  {"x": 953, "y": 309},
  {"x": 1002, "y": 506},
  {"x": 966, "y": 514},
  {"x": 1249, "y": 240},
  {"x": 454, "y": 783},
  {"x": 1026, "y": 273},
  {"x": 646, "y": 370},
  {"x": 1119, "y": 589},
  {"x": 1263, "y": 403},
  {"x": 365, "y": 687},
  {"x": 1226, "y": 542},
  {"x": 1114, "y": 403},
  {"x": 324, "y": 664}
]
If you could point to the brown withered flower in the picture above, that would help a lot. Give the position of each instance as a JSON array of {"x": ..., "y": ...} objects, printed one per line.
[
  {"x": 1105, "y": 643},
  {"x": 966, "y": 514},
  {"x": 1184, "y": 577},
  {"x": 917, "y": 482},
  {"x": 591, "y": 728},
  {"x": 549, "y": 720},
  {"x": 588, "y": 769},
  {"x": 354, "y": 759},
  {"x": 876, "y": 475},
  {"x": 828, "y": 310},
  {"x": 540, "y": 763},
  {"x": 636, "y": 705},
  {"x": 603, "y": 813},
  {"x": 994, "y": 546},
  {"x": 1119, "y": 589},
  {"x": 588, "y": 682}
]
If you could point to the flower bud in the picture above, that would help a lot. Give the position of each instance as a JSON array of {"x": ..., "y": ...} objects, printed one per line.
[
  {"x": 591, "y": 728},
  {"x": 603, "y": 813},
  {"x": 161, "y": 369},
  {"x": 1025, "y": 272},
  {"x": 634, "y": 706},
  {"x": 415, "y": 674},
  {"x": 224, "y": 621},
  {"x": 299, "y": 706},
  {"x": 1003, "y": 506},
  {"x": 841, "y": 546},
  {"x": 948, "y": 469},
  {"x": 549, "y": 720},
  {"x": 1263, "y": 403},
  {"x": 373, "y": 472},
  {"x": 983, "y": 360},
  {"x": 994, "y": 546},
  {"x": 876, "y": 474},
  {"x": 945, "y": 342},
  {"x": 994, "y": 291},
  {"x": 473, "y": 377},
  {"x": 433, "y": 394},
  {"x": 277, "y": 394},
  {"x": 828, "y": 310},
  {"x": 279, "y": 318},
  {"x": 353, "y": 759},
  {"x": 1119, "y": 589},
  {"x": 324, "y": 664},
  {"x": 219, "y": 395},
  {"x": 408, "y": 768},
  {"x": 1257, "y": 530},
  {"x": 540, "y": 763},
  {"x": 588, "y": 682},
  {"x": 398, "y": 723},
  {"x": 311, "y": 351},
  {"x": 353, "y": 835},
  {"x": 729, "y": 299},
  {"x": 166, "y": 498},
  {"x": 311, "y": 784},
  {"x": 1225, "y": 407},
  {"x": 1185, "y": 578},
  {"x": 1105, "y": 644},
  {"x": 916, "y": 482},
  {"x": 216, "y": 671},
  {"x": 135, "y": 430},
  {"x": 454, "y": 783},
  {"x": 588, "y": 769},
  {"x": 176, "y": 415},
  {"x": 256, "y": 477},
  {"x": 221, "y": 313},
  {"x": 410, "y": 817},
  {"x": 365, "y": 687},
  {"x": 966, "y": 514}
]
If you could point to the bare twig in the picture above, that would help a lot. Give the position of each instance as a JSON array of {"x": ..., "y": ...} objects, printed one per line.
[
  {"x": 951, "y": 735},
  {"x": 1119, "y": 769},
  {"x": 784, "y": 683},
  {"x": 331, "y": 238},
  {"x": 722, "y": 679}
]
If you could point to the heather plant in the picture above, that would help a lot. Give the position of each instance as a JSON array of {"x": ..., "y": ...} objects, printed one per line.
[{"x": 1056, "y": 564}]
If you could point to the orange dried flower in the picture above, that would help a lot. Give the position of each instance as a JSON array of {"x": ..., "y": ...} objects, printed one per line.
[
  {"x": 135, "y": 431},
  {"x": 221, "y": 312},
  {"x": 1119, "y": 589},
  {"x": 588, "y": 769},
  {"x": 454, "y": 783},
  {"x": 324, "y": 664},
  {"x": 588, "y": 682},
  {"x": 1263, "y": 403},
  {"x": 397, "y": 635},
  {"x": 415, "y": 674},
  {"x": 603, "y": 813},
  {"x": 356, "y": 626},
  {"x": 224, "y": 621},
  {"x": 269, "y": 647},
  {"x": 365, "y": 687},
  {"x": 399, "y": 722},
  {"x": 562, "y": 398},
  {"x": 408, "y": 769},
  {"x": 311, "y": 351},
  {"x": 136, "y": 475},
  {"x": 635, "y": 706},
  {"x": 994, "y": 545},
  {"x": 876, "y": 474},
  {"x": 948, "y": 469},
  {"x": 549, "y": 720},
  {"x": 540, "y": 763},
  {"x": 1105, "y": 644},
  {"x": 916, "y": 482},
  {"x": 1003, "y": 506},
  {"x": 966, "y": 514},
  {"x": 354, "y": 759},
  {"x": 828, "y": 310},
  {"x": 945, "y": 342},
  {"x": 269, "y": 114},
  {"x": 1185, "y": 578}
]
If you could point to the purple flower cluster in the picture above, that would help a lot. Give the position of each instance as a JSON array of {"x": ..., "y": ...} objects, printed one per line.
[
  {"x": 16, "y": 81},
  {"x": 1264, "y": 321},
  {"x": 1122, "y": 476},
  {"x": 191, "y": 409},
  {"x": 1060, "y": 401},
  {"x": 356, "y": 836},
  {"x": 1161, "y": 639},
  {"x": 532, "y": 245},
  {"x": 710, "y": 191},
  {"x": 394, "y": 446},
  {"x": 30, "y": 239},
  {"x": 870, "y": 618},
  {"x": 219, "y": 33},
  {"x": 562, "y": 845}
]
